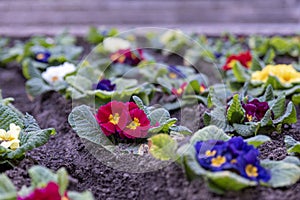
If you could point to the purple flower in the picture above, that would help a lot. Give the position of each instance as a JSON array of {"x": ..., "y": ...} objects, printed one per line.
[
  {"x": 174, "y": 72},
  {"x": 255, "y": 110},
  {"x": 42, "y": 56},
  {"x": 105, "y": 84},
  {"x": 234, "y": 155},
  {"x": 218, "y": 55}
]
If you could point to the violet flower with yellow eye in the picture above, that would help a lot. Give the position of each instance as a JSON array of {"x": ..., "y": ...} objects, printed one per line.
[{"x": 42, "y": 56}]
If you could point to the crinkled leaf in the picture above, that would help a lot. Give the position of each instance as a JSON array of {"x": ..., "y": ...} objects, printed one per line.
[
  {"x": 235, "y": 112},
  {"x": 240, "y": 73},
  {"x": 278, "y": 107},
  {"x": 292, "y": 145},
  {"x": 257, "y": 140},
  {"x": 41, "y": 176},
  {"x": 289, "y": 117},
  {"x": 209, "y": 133},
  {"x": 84, "y": 123},
  {"x": 7, "y": 188},
  {"x": 62, "y": 180},
  {"x": 282, "y": 173},
  {"x": 245, "y": 130},
  {"x": 163, "y": 147},
  {"x": 8, "y": 116}
]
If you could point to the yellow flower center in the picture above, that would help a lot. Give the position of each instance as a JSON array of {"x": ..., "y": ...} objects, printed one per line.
[
  {"x": 249, "y": 63},
  {"x": 232, "y": 63},
  {"x": 233, "y": 161},
  {"x": 209, "y": 153},
  {"x": 134, "y": 124},
  {"x": 202, "y": 89},
  {"x": 121, "y": 59},
  {"x": 249, "y": 117},
  {"x": 10, "y": 138},
  {"x": 218, "y": 161},
  {"x": 114, "y": 119},
  {"x": 54, "y": 78},
  {"x": 64, "y": 198},
  {"x": 179, "y": 91},
  {"x": 40, "y": 56},
  {"x": 251, "y": 171},
  {"x": 172, "y": 75}
]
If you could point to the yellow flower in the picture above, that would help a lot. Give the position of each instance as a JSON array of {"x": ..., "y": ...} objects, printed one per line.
[
  {"x": 10, "y": 139},
  {"x": 285, "y": 74}
]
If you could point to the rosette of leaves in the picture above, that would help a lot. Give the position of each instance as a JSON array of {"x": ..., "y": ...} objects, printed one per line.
[
  {"x": 170, "y": 42},
  {"x": 62, "y": 48},
  {"x": 232, "y": 116},
  {"x": 283, "y": 173},
  {"x": 80, "y": 87},
  {"x": 96, "y": 36},
  {"x": 83, "y": 121},
  {"x": 213, "y": 50},
  {"x": 269, "y": 48},
  {"x": 31, "y": 135},
  {"x": 44, "y": 184},
  {"x": 181, "y": 92}
]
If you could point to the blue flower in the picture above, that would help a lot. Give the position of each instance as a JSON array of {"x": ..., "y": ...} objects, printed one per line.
[
  {"x": 250, "y": 168},
  {"x": 174, "y": 72},
  {"x": 42, "y": 56},
  {"x": 218, "y": 55},
  {"x": 234, "y": 155},
  {"x": 105, "y": 84}
]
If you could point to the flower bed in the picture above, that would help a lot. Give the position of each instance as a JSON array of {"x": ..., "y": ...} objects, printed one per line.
[{"x": 128, "y": 124}]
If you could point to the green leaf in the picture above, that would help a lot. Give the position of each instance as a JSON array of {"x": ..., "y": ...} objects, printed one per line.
[
  {"x": 163, "y": 147},
  {"x": 7, "y": 188},
  {"x": 216, "y": 117},
  {"x": 235, "y": 112},
  {"x": 296, "y": 99},
  {"x": 209, "y": 133},
  {"x": 267, "y": 119},
  {"x": 36, "y": 87},
  {"x": 227, "y": 180},
  {"x": 240, "y": 73},
  {"x": 84, "y": 123},
  {"x": 278, "y": 107},
  {"x": 292, "y": 145},
  {"x": 245, "y": 130},
  {"x": 282, "y": 173},
  {"x": 31, "y": 137},
  {"x": 80, "y": 196},
  {"x": 41, "y": 176},
  {"x": 289, "y": 117},
  {"x": 268, "y": 95},
  {"x": 269, "y": 57},
  {"x": 276, "y": 84},
  {"x": 159, "y": 116},
  {"x": 258, "y": 140},
  {"x": 8, "y": 116},
  {"x": 62, "y": 180}
]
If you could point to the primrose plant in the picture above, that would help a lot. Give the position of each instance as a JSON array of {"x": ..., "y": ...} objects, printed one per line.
[
  {"x": 18, "y": 134},
  {"x": 225, "y": 163},
  {"x": 117, "y": 123},
  {"x": 248, "y": 116},
  {"x": 45, "y": 185}
]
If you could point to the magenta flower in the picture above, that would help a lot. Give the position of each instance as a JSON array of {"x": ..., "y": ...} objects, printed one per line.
[
  {"x": 125, "y": 120},
  {"x": 255, "y": 110},
  {"x": 112, "y": 117},
  {"x": 50, "y": 192},
  {"x": 126, "y": 56}
]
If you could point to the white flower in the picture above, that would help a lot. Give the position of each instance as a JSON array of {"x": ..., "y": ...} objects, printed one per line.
[
  {"x": 171, "y": 35},
  {"x": 113, "y": 44},
  {"x": 10, "y": 139},
  {"x": 56, "y": 74}
]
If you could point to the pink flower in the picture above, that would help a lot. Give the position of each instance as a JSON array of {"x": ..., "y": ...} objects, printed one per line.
[
  {"x": 50, "y": 192},
  {"x": 179, "y": 92}
]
